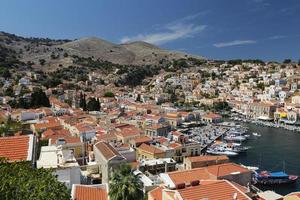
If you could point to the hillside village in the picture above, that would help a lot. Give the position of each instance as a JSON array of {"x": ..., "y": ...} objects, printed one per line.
[{"x": 85, "y": 130}]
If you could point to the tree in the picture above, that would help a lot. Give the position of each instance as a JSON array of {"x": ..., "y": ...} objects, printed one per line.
[
  {"x": 221, "y": 106},
  {"x": 23, "y": 103},
  {"x": 138, "y": 98},
  {"x": 287, "y": 61},
  {"x": 66, "y": 54},
  {"x": 93, "y": 105},
  {"x": 24, "y": 90},
  {"x": 124, "y": 185},
  {"x": 109, "y": 94},
  {"x": 20, "y": 181},
  {"x": 9, "y": 91},
  {"x": 260, "y": 86},
  {"x": 5, "y": 73},
  {"x": 42, "y": 61},
  {"x": 82, "y": 101},
  {"x": 39, "y": 99},
  {"x": 213, "y": 75}
]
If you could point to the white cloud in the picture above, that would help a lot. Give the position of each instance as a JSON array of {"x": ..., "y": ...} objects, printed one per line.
[
  {"x": 173, "y": 32},
  {"x": 276, "y": 37},
  {"x": 234, "y": 43}
]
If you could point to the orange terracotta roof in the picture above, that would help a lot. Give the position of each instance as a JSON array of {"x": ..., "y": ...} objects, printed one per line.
[
  {"x": 50, "y": 124},
  {"x": 84, "y": 127},
  {"x": 142, "y": 139},
  {"x": 207, "y": 158},
  {"x": 120, "y": 126},
  {"x": 263, "y": 103},
  {"x": 56, "y": 102},
  {"x": 156, "y": 193},
  {"x": 211, "y": 115},
  {"x": 218, "y": 190},
  {"x": 128, "y": 132},
  {"x": 161, "y": 140},
  {"x": 172, "y": 115},
  {"x": 153, "y": 117},
  {"x": 16, "y": 148},
  {"x": 49, "y": 132},
  {"x": 107, "y": 150},
  {"x": 225, "y": 169},
  {"x": 106, "y": 137},
  {"x": 90, "y": 193},
  {"x": 188, "y": 176},
  {"x": 155, "y": 126},
  {"x": 150, "y": 149},
  {"x": 177, "y": 133},
  {"x": 175, "y": 145}
]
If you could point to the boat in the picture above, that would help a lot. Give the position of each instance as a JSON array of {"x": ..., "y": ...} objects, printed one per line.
[
  {"x": 220, "y": 151},
  {"x": 273, "y": 178},
  {"x": 238, "y": 138},
  {"x": 256, "y": 134},
  {"x": 251, "y": 168},
  {"x": 233, "y": 147}
]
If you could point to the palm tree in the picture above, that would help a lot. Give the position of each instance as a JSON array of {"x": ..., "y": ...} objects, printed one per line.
[{"x": 124, "y": 185}]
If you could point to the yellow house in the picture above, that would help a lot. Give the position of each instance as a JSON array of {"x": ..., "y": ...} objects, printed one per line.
[
  {"x": 146, "y": 151},
  {"x": 174, "y": 119},
  {"x": 127, "y": 134}
]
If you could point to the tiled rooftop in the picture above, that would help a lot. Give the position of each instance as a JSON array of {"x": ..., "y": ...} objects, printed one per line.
[
  {"x": 17, "y": 148},
  {"x": 188, "y": 176},
  {"x": 226, "y": 169},
  {"x": 218, "y": 190},
  {"x": 156, "y": 193},
  {"x": 107, "y": 150},
  {"x": 150, "y": 149},
  {"x": 207, "y": 158},
  {"x": 90, "y": 193}
]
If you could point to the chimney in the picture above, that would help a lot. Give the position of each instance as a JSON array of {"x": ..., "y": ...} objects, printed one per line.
[
  {"x": 180, "y": 186},
  {"x": 234, "y": 197}
]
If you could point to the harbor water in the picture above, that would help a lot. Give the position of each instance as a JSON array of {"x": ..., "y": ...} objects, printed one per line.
[{"x": 276, "y": 150}]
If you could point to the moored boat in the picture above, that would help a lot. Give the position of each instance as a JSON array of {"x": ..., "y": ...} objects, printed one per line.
[
  {"x": 235, "y": 138},
  {"x": 251, "y": 168},
  {"x": 273, "y": 178},
  {"x": 220, "y": 151}
]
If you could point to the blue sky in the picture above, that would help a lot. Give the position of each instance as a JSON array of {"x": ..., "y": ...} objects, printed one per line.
[{"x": 216, "y": 29}]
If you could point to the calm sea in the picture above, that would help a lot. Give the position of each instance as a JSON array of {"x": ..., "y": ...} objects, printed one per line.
[{"x": 275, "y": 150}]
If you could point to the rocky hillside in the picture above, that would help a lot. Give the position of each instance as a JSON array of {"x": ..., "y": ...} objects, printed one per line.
[{"x": 47, "y": 54}]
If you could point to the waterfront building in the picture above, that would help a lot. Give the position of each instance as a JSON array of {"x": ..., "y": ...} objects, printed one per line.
[
  {"x": 18, "y": 148},
  {"x": 228, "y": 171},
  {"x": 261, "y": 110},
  {"x": 211, "y": 118},
  {"x": 207, "y": 189}
]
